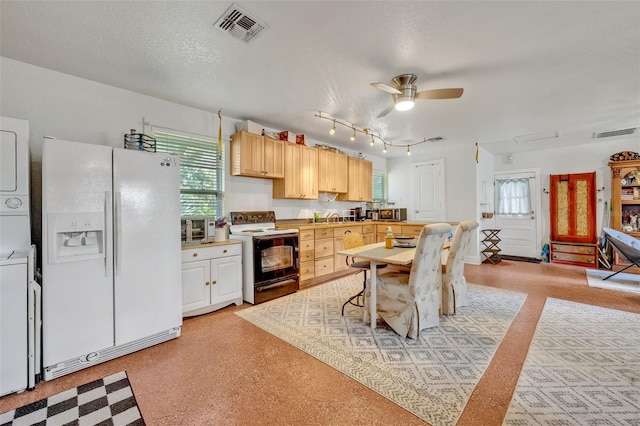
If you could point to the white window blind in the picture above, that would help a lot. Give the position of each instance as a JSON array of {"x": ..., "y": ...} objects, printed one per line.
[
  {"x": 379, "y": 190},
  {"x": 201, "y": 173}
]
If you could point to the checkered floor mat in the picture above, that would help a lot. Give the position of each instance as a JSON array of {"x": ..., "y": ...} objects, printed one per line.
[{"x": 107, "y": 401}]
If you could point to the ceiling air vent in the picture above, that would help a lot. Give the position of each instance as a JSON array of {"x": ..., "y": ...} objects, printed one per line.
[
  {"x": 240, "y": 24},
  {"x": 619, "y": 132}
]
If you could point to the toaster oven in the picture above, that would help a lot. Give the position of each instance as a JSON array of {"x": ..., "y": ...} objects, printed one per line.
[{"x": 200, "y": 229}]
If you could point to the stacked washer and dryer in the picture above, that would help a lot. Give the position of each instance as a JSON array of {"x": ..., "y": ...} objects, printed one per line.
[{"x": 20, "y": 322}]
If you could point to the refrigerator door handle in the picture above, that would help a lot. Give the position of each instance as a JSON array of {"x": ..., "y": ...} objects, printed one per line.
[
  {"x": 117, "y": 224},
  {"x": 107, "y": 231}
]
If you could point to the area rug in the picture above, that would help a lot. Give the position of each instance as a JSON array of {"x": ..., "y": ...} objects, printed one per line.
[
  {"x": 621, "y": 281},
  {"x": 583, "y": 368},
  {"x": 432, "y": 377},
  {"x": 107, "y": 401}
]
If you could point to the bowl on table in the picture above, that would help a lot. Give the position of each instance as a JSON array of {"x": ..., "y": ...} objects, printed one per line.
[{"x": 404, "y": 240}]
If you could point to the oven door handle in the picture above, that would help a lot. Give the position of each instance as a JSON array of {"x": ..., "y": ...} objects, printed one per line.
[
  {"x": 271, "y": 237},
  {"x": 275, "y": 285}
]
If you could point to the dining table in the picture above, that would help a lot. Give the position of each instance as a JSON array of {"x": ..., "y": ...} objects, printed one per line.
[
  {"x": 377, "y": 253},
  {"x": 401, "y": 255}
]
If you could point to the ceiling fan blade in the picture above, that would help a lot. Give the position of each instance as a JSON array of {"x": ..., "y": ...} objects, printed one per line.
[
  {"x": 386, "y": 88},
  {"x": 440, "y": 94},
  {"x": 386, "y": 111}
]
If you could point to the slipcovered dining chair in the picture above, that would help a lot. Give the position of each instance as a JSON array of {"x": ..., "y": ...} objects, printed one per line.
[
  {"x": 410, "y": 302},
  {"x": 454, "y": 285},
  {"x": 353, "y": 240}
]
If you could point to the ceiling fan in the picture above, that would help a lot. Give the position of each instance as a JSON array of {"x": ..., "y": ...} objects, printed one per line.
[{"x": 404, "y": 93}]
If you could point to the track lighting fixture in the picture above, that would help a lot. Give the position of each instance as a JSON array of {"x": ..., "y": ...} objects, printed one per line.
[{"x": 367, "y": 131}]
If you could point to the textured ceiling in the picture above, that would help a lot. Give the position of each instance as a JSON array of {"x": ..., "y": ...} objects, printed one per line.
[{"x": 526, "y": 67}]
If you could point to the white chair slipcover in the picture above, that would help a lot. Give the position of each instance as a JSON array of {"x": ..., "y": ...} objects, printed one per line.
[
  {"x": 454, "y": 285},
  {"x": 410, "y": 302}
]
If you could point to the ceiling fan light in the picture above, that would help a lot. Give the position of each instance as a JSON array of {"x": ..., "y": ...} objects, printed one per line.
[{"x": 405, "y": 105}]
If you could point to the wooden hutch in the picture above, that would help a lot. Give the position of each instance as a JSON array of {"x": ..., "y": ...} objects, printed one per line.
[
  {"x": 625, "y": 203},
  {"x": 572, "y": 203}
]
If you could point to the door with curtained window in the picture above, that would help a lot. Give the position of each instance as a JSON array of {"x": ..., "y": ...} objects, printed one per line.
[{"x": 517, "y": 201}]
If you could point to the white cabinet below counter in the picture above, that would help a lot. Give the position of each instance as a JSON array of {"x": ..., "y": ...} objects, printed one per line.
[{"x": 211, "y": 277}]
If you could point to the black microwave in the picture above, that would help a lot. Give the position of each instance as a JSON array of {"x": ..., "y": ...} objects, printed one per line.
[{"x": 393, "y": 214}]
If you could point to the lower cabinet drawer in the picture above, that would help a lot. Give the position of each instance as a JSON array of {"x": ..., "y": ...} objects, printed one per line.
[
  {"x": 570, "y": 248},
  {"x": 323, "y": 266},
  {"x": 582, "y": 254},
  {"x": 306, "y": 255},
  {"x": 574, "y": 258},
  {"x": 306, "y": 245},
  {"x": 324, "y": 247},
  {"x": 307, "y": 270}
]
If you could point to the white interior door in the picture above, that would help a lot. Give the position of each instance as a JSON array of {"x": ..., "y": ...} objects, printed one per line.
[
  {"x": 428, "y": 192},
  {"x": 520, "y": 233}
]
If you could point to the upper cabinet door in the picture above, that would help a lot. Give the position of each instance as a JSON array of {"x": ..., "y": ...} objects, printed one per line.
[
  {"x": 332, "y": 172},
  {"x": 359, "y": 181},
  {"x": 300, "y": 174},
  {"x": 256, "y": 156},
  {"x": 273, "y": 158}
]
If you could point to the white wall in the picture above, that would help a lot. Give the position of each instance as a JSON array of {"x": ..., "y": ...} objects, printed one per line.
[
  {"x": 589, "y": 157},
  {"x": 460, "y": 184},
  {"x": 76, "y": 109}
]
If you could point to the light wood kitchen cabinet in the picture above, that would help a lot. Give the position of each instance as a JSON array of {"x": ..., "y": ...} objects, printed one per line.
[
  {"x": 359, "y": 181},
  {"x": 324, "y": 251},
  {"x": 306, "y": 254},
  {"x": 338, "y": 244},
  {"x": 211, "y": 278},
  {"x": 300, "y": 174},
  {"x": 332, "y": 171},
  {"x": 256, "y": 156},
  {"x": 369, "y": 234},
  {"x": 381, "y": 231},
  {"x": 413, "y": 230}
]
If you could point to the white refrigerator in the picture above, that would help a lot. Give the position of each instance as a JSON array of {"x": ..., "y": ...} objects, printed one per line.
[{"x": 110, "y": 253}]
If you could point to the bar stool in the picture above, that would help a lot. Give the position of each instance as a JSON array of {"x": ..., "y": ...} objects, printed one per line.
[{"x": 352, "y": 240}]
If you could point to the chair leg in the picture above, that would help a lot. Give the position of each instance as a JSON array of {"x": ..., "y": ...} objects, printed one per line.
[
  {"x": 357, "y": 296},
  {"x": 621, "y": 270}
]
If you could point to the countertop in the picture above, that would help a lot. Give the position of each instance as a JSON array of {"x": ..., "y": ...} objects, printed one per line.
[
  {"x": 324, "y": 225},
  {"x": 189, "y": 246}
]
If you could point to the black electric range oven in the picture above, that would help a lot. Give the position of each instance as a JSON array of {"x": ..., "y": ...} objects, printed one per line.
[{"x": 270, "y": 263}]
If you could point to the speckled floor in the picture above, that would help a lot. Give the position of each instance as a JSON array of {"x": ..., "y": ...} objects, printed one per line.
[{"x": 225, "y": 371}]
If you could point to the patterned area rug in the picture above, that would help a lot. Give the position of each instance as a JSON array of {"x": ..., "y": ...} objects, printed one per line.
[
  {"x": 621, "y": 281},
  {"x": 583, "y": 368},
  {"x": 107, "y": 401},
  {"x": 432, "y": 377}
]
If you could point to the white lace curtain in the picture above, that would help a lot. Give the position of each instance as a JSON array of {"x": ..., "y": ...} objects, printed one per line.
[{"x": 513, "y": 196}]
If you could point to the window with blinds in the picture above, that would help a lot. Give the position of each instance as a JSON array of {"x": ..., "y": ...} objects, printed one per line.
[
  {"x": 201, "y": 173},
  {"x": 379, "y": 190}
]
